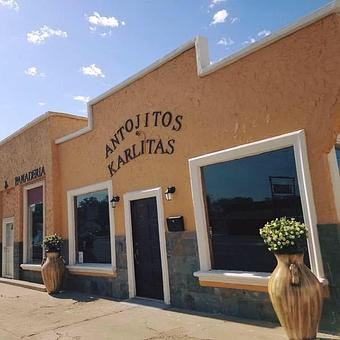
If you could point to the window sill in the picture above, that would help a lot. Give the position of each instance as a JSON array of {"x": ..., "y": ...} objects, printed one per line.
[
  {"x": 92, "y": 269},
  {"x": 31, "y": 267},
  {"x": 255, "y": 281}
]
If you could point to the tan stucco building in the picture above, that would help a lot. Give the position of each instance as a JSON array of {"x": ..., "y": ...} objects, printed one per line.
[{"x": 242, "y": 141}]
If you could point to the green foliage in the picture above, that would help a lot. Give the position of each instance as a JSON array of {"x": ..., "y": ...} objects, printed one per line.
[
  {"x": 284, "y": 235},
  {"x": 52, "y": 243}
]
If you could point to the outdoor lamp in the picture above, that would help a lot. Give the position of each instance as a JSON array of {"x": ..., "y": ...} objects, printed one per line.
[
  {"x": 169, "y": 192},
  {"x": 114, "y": 201},
  {"x": 6, "y": 185}
]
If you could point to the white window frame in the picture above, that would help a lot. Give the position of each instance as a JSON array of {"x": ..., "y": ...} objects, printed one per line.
[
  {"x": 335, "y": 177},
  {"x": 90, "y": 268},
  {"x": 296, "y": 140},
  {"x": 25, "y": 265},
  {"x": 136, "y": 195},
  {"x": 5, "y": 221}
]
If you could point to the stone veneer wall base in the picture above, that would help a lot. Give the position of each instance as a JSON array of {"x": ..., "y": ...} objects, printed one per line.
[
  {"x": 329, "y": 236},
  {"x": 20, "y": 274},
  {"x": 18, "y": 258},
  {"x": 31, "y": 276},
  {"x": 1, "y": 258},
  {"x": 187, "y": 293},
  {"x": 116, "y": 287}
]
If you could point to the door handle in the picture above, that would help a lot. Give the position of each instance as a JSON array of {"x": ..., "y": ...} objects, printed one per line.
[{"x": 136, "y": 255}]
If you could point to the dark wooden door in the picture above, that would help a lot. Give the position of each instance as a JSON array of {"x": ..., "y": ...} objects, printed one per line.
[{"x": 146, "y": 248}]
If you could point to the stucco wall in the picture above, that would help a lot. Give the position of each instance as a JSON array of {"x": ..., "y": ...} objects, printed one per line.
[
  {"x": 287, "y": 86},
  {"x": 11, "y": 207},
  {"x": 29, "y": 150}
]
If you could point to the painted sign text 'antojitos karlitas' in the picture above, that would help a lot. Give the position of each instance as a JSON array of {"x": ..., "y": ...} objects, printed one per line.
[{"x": 137, "y": 126}]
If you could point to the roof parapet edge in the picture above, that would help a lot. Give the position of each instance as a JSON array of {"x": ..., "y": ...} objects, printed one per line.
[{"x": 38, "y": 120}]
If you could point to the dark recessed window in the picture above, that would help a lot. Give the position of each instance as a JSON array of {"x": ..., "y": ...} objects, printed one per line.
[
  {"x": 241, "y": 196},
  {"x": 35, "y": 225},
  {"x": 92, "y": 224},
  {"x": 337, "y": 152}
]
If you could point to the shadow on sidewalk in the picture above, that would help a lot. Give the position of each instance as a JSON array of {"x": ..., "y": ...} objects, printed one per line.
[
  {"x": 76, "y": 296},
  {"x": 157, "y": 304}
]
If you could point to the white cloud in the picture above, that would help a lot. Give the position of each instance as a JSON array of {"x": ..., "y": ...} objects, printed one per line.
[
  {"x": 31, "y": 71},
  {"x": 249, "y": 41},
  {"x": 41, "y": 104},
  {"x": 264, "y": 33},
  {"x": 252, "y": 40},
  {"x": 97, "y": 20},
  {"x": 92, "y": 70},
  {"x": 215, "y": 61},
  {"x": 226, "y": 42},
  {"x": 38, "y": 37},
  {"x": 82, "y": 99},
  {"x": 215, "y": 2},
  {"x": 106, "y": 34},
  {"x": 34, "y": 72},
  {"x": 11, "y": 4},
  {"x": 219, "y": 17},
  {"x": 234, "y": 20}
]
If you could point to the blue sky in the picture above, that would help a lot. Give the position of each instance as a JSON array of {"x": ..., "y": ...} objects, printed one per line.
[{"x": 56, "y": 54}]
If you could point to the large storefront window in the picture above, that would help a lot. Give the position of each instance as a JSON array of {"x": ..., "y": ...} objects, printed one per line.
[
  {"x": 241, "y": 195},
  {"x": 35, "y": 225},
  {"x": 92, "y": 227}
]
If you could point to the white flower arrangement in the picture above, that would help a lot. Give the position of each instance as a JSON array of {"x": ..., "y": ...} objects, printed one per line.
[{"x": 284, "y": 234}]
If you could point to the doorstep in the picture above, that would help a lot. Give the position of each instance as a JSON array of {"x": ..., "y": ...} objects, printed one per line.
[{"x": 23, "y": 284}]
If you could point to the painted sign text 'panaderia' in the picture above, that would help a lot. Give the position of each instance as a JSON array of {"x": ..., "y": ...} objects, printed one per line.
[{"x": 30, "y": 176}]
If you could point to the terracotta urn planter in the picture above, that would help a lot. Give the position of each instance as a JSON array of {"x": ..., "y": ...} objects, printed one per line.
[
  {"x": 296, "y": 295},
  {"x": 52, "y": 270}
]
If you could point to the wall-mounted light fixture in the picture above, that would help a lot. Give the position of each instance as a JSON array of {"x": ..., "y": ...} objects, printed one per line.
[
  {"x": 114, "y": 201},
  {"x": 6, "y": 185},
  {"x": 169, "y": 193}
]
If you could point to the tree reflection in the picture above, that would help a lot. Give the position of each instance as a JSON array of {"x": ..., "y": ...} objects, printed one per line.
[{"x": 93, "y": 228}]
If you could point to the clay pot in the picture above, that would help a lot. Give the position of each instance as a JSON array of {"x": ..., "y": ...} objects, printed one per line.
[
  {"x": 296, "y": 295},
  {"x": 52, "y": 271}
]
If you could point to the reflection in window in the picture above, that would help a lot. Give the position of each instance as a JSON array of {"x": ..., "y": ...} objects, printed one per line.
[
  {"x": 337, "y": 153},
  {"x": 241, "y": 196},
  {"x": 92, "y": 227},
  {"x": 35, "y": 225}
]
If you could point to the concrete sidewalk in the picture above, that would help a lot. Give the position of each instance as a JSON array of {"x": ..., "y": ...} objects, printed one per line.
[{"x": 28, "y": 314}]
